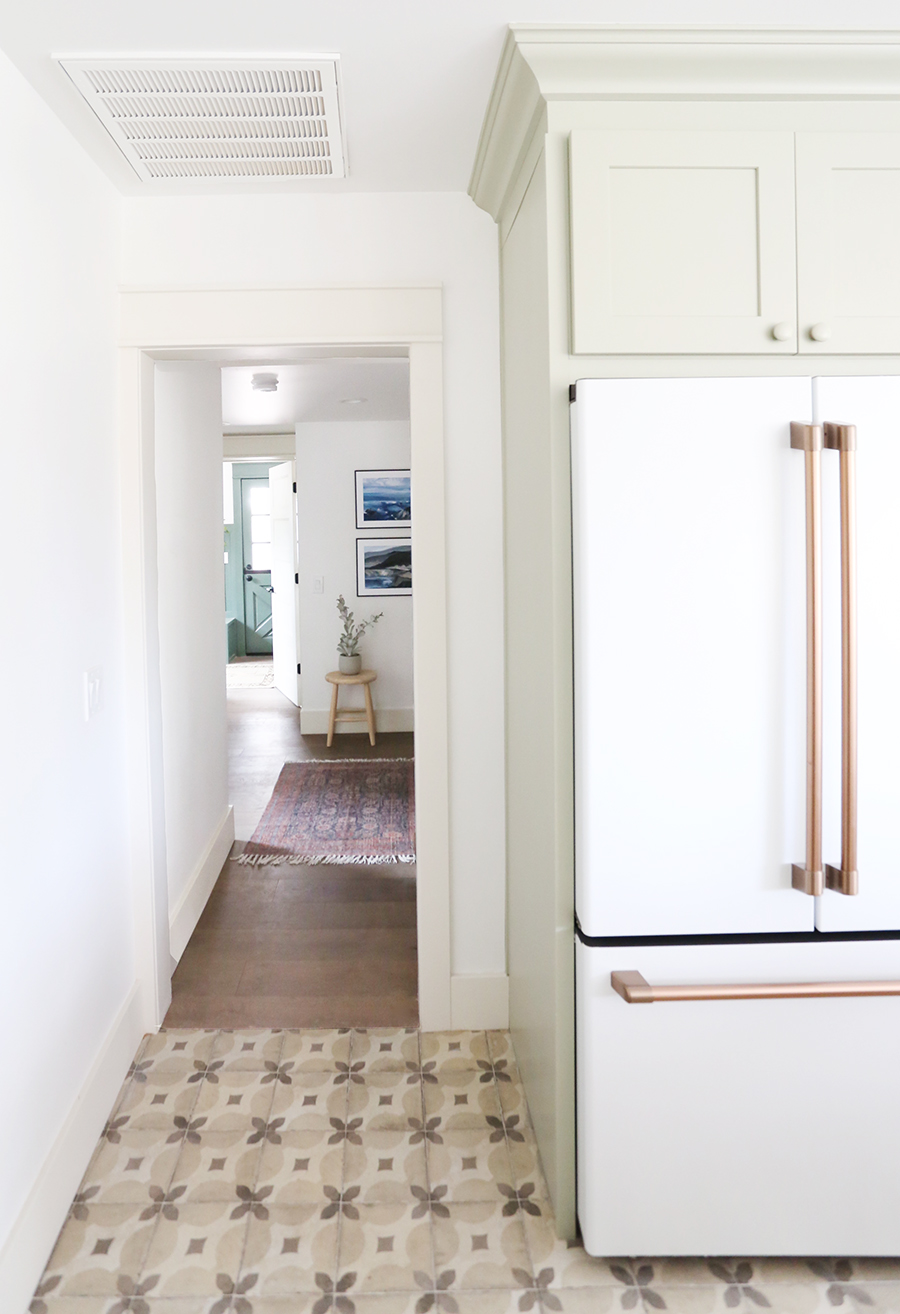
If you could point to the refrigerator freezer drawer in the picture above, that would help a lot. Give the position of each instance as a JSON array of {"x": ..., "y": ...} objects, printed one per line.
[{"x": 742, "y": 1126}]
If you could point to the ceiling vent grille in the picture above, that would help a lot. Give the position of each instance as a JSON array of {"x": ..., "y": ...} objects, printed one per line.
[{"x": 203, "y": 119}]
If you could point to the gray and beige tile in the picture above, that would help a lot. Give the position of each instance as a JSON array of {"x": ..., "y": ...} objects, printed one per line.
[{"x": 376, "y": 1171}]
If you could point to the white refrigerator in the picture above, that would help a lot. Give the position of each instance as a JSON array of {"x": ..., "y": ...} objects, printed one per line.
[{"x": 736, "y": 560}]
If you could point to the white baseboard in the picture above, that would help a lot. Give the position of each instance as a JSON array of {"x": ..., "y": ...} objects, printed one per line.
[
  {"x": 186, "y": 913},
  {"x": 388, "y": 721},
  {"x": 31, "y": 1240},
  {"x": 479, "y": 1003}
]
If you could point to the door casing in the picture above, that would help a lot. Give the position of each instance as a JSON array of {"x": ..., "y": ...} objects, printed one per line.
[{"x": 172, "y": 324}]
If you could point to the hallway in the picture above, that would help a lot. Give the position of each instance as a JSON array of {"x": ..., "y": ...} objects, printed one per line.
[{"x": 295, "y": 946}]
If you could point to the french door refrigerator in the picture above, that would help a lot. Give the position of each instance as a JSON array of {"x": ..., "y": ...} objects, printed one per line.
[{"x": 737, "y": 689}]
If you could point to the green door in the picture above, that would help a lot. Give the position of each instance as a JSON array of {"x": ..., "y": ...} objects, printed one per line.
[{"x": 256, "y": 521}]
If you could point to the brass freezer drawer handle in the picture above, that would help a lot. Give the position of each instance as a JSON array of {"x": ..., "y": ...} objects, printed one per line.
[{"x": 635, "y": 990}]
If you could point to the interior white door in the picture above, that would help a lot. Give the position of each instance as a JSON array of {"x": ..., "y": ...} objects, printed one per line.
[
  {"x": 285, "y": 636},
  {"x": 873, "y": 405},
  {"x": 689, "y": 578}
]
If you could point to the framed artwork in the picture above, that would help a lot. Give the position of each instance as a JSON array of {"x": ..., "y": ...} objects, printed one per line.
[
  {"x": 383, "y": 565},
  {"x": 383, "y": 498}
]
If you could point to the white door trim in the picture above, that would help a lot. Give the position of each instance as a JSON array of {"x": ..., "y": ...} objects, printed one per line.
[{"x": 193, "y": 324}]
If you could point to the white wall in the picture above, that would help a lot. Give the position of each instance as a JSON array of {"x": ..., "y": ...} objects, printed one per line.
[
  {"x": 192, "y": 647},
  {"x": 66, "y": 950},
  {"x": 396, "y": 239},
  {"x": 327, "y": 456}
]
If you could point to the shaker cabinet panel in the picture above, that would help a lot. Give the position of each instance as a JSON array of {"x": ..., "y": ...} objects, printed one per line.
[
  {"x": 682, "y": 242},
  {"x": 848, "y": 219}
]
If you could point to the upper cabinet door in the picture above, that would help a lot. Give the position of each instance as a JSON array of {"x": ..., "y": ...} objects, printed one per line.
[
  {"x": 848, "y": 220},
  {"x": 683, "y": 242}
]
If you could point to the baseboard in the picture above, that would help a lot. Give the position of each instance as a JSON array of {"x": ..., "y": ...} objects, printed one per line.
[
  {"x": 186, "y": 913},
  {"x": 479, "y": 1003},
  {"x": 31, "y": 1240},
  {"x": 388, "y": 721}
]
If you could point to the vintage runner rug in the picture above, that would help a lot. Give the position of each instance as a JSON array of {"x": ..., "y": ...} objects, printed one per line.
[{"x": 359, "y": 810}]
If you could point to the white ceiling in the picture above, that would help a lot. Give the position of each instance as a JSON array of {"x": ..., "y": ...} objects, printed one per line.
[
  {"x": 416, "y": 73},
  {"x": 315, "y": 390}
]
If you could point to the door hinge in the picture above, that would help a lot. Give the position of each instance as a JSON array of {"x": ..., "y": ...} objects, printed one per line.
[
  {"x": 295, "y": 485},
  {"x": 296, "y": 578},
  {"x": 298, "y": 668}
]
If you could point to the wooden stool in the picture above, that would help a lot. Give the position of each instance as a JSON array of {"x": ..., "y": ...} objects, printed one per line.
[{"x": 365, "y": 678}]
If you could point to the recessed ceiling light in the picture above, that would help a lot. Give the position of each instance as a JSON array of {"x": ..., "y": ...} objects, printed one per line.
[
  {"x": 352, "y": 401},
  {"x": 264, "y": 383}
]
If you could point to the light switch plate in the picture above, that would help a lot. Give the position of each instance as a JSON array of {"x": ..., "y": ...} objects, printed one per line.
[{"x": 93, "y": 690}]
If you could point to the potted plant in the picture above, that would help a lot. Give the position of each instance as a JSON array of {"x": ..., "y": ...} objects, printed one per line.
[{"x": 349, "y": 660}]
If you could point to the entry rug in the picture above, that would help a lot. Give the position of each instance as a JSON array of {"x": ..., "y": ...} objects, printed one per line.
[
  {"x": 249, "y": 675},
  {"x": 355, "y": 810}
]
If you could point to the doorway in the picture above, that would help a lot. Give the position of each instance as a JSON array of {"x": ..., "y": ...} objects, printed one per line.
[
  {"x": 205, "y": 326},
  {"x": 247, "y": 510}
]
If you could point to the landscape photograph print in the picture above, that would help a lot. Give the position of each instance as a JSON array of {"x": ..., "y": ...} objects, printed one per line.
[
  {"x": 383, "y": 565},
  {"x": 383, "y": 498}
]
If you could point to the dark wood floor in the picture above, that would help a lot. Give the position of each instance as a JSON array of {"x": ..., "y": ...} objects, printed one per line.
[{"x": 285, "y": 946}]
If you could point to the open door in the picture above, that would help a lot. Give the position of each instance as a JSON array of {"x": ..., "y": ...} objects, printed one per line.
[{"x": 285, "y": 631}]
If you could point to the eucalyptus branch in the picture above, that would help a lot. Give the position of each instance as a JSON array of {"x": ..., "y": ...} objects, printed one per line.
[{"x": 348, "y": 643}]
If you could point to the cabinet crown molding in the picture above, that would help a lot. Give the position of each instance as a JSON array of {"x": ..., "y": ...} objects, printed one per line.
[{"x": 539, "y": 65}]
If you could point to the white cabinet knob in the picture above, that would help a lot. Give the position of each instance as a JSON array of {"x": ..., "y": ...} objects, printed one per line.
[
  {"x": 782, "y": 332},
  {"x": 820, "y": 332}
]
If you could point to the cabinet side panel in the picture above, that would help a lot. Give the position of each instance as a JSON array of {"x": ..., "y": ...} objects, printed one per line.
[{"x": 541, "y": 985}]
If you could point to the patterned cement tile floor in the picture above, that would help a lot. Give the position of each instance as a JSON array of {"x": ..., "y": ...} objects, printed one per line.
[{"x": 363, "y": 1172}]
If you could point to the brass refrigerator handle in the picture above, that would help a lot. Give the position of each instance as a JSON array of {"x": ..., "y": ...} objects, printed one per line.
[
  {"x": 635, "y": 990},
  {"x": 809, "y": 877},
  {"x": 845, "y": 879}
]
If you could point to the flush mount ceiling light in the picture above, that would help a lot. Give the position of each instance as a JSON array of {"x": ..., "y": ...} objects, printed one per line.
[
  {"x": 208, "y": 118},
  {"x": 352, "y": 401},
  {"x": 264, "y": 383}
]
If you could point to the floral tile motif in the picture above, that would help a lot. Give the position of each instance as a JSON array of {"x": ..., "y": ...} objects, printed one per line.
[
  {"x": 322, "y": 1051},
  {"x": 387, "y": 1248},
  {"x": 385, "y": 1049},
  {"x": 145, "y": 1105},
  {"x": 386, "y": 1166},
  {"x": 232, "y": 1099},
  {"x": 484, "y": 1247},
  {"x": 374, "y": 1171},
  {"x": 248, "y": 1051},
  {"x": 121, "y": 1172},
  {"x": 385, "y": 1100},
  {"x": 75, "y": 1305},
  {"x": 97, "y": 1245},
  {"x": 454, "y": 1050},
  {"x": 217, "y": 1165},
  {"x": 288, "y": 1249},
  {"x": 470, "y": 1165},
  {"x": 192, "y": 1250},
  {"x": 319, "y": 1090},
  {"x": 176, "y": 1050},
  {"x": 463, "y": 1100},
  {"x": 297, "y": 1170}
]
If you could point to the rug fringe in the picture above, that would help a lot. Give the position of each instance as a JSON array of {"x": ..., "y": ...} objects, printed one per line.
[
  {"x": 336, "y": 761},
  {"x": 319, "y": 859}
]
